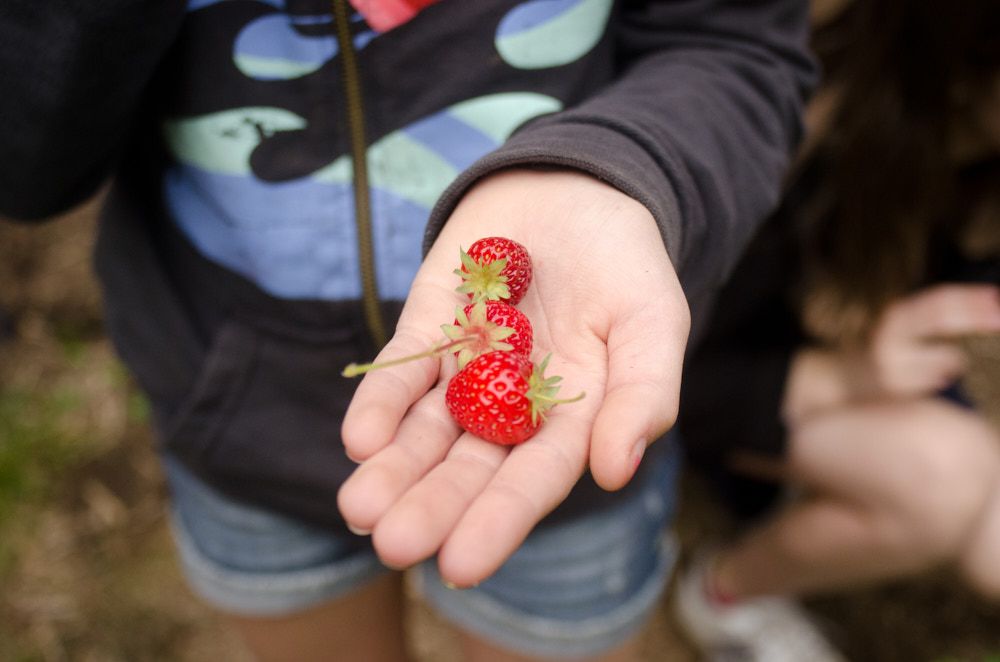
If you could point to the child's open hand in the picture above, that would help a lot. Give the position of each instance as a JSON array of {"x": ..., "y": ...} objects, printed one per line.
[{"x": 605, "y": 301}]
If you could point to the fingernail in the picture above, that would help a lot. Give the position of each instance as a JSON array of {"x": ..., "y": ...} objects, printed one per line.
[
  {"x": 637, "y": 452},
  {"x": 456, "y": 587},
  {"x": 358, "y": 531}
]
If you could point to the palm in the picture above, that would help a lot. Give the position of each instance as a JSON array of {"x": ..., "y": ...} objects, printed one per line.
[{"x": 425, "y": 487}]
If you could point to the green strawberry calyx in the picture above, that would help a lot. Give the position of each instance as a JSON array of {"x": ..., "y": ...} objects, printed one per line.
[
  {"x": 483, "y": 281},
  {"x": 542, "y": 392},
  {"x": 475, "y": 335}
]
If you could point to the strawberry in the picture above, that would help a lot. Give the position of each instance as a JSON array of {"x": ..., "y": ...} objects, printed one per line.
[
  {"x": 480, "y": 327},
  {"x": 495, "y": 268},
  {"x": 501, "y": 314},
  {"x": 502, "y": 397}
]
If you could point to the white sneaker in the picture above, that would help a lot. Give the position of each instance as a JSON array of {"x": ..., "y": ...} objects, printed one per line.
[{"x": 758, "y": 630}]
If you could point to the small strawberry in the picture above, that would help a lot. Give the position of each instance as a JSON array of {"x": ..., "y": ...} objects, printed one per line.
[
  {"x": 495, "y": 268},
  {"x": 474, "y": 319},
  {"x": 485, "y": 326},
  {"x": 502, "y": 397}
]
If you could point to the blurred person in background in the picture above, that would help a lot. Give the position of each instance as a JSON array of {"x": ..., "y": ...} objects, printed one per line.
[{"x": 849, "y": 449}]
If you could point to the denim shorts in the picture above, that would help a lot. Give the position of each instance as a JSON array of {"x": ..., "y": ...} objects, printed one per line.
[{"x": 572, "y": 590}]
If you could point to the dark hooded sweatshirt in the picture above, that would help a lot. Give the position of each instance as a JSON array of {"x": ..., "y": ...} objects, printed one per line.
[{"x": 228, "y": 240}]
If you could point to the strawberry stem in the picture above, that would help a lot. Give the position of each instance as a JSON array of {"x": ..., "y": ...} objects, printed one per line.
[
  {"x": 559, "y": 401},
  {"x": 473, "y": 335},
  {"x": 355, "y": 369}
]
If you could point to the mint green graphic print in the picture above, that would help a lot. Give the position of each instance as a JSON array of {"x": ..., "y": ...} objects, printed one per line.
[
  {"x": 285, "y": 236},
  {"x": 296, "y": 239},
  {"x": 551, "y": 33}
]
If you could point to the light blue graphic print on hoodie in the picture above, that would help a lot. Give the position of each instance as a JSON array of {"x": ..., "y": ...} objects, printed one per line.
[{"x": 296, "y": 239}]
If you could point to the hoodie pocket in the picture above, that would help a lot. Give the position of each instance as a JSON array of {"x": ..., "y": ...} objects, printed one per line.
[{"x": 262, "y": 422}]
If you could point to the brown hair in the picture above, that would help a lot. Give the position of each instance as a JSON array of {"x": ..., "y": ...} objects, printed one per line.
[{"x": 901, "y": 72}]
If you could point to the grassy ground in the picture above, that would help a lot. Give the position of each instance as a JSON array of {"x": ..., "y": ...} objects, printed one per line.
[{"x": 87, "y": 572}]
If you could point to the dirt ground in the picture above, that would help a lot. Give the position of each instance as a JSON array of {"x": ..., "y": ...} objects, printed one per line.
[{"x": 87, "y": 572}]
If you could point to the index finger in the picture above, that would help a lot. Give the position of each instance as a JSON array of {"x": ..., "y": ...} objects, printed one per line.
[
  {"x": 950, "y": 310},
  {"x": 533, "y": 479}
]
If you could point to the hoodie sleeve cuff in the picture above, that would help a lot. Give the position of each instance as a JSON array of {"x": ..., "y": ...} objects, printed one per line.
[{"x": 600, "y": 151}]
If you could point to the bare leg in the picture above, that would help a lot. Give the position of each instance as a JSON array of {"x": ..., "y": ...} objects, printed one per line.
[
  {"x": 898, "y": 488},
  {"x": 366, "y": 626},
  {"x": 812, "y": 547},
  {"x": 979, "y": 563}
]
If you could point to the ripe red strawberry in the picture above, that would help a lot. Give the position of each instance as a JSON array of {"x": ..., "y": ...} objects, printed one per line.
[
  {"x": 481, "y": 327},
  {"x": 495, "y": 268},
  {"x": 511, "y": 326},
  {"x": 502, "y": 397}
]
